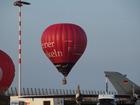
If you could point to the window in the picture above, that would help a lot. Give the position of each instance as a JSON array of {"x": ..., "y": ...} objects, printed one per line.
[
  {"x": 106, "y": 101},
  {"x": 46, "y": 103},
  {"x": 21, "y": 102}
]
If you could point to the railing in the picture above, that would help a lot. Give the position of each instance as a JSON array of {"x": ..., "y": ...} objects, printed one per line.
[{"x": 41, "y": 91}]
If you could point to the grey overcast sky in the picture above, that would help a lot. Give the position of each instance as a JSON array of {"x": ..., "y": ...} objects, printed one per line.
[{"x": 113, "y": 33}]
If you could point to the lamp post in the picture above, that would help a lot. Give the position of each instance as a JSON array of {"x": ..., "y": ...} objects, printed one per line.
[{"x": 19, "y": 4}]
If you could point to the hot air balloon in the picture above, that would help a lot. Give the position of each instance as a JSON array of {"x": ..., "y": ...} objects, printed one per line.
[
  {"x": 7, "y": 71},
  {"x": 64, "y": 44}
]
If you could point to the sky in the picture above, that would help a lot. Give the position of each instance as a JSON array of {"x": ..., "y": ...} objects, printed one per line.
[{"x": 113, "y": 33}]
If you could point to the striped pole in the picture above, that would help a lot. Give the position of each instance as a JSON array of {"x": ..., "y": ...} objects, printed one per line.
[
  {"x": 19, "y": 92},
  {"x": 19, "y": 4}
]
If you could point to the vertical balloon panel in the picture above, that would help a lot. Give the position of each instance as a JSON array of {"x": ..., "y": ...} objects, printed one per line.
[
  {"x": 7, "y": 71},
  {"x": 64, "y": 44}
]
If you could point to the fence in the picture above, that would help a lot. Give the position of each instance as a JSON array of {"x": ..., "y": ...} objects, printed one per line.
[{"x": 41, "y": 91}]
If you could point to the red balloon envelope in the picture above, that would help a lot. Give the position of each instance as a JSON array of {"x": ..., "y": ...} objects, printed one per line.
[
  {"x": 7, "y": 71},
  {"x": 64, "y": 44}
]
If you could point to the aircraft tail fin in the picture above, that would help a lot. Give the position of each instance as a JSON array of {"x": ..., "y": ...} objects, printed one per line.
[{"x": 121, "y": 83}]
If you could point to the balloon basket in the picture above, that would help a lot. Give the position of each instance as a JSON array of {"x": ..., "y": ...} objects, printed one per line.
[{"x": 64, "y": 82}]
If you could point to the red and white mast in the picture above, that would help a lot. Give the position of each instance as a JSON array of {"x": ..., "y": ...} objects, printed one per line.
[
  {"x": 19, "y": 4},
  {"x": 19, "y": 50}
]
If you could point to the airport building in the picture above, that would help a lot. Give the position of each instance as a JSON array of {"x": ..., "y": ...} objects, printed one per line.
[{"x": 15, "y": 100}]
